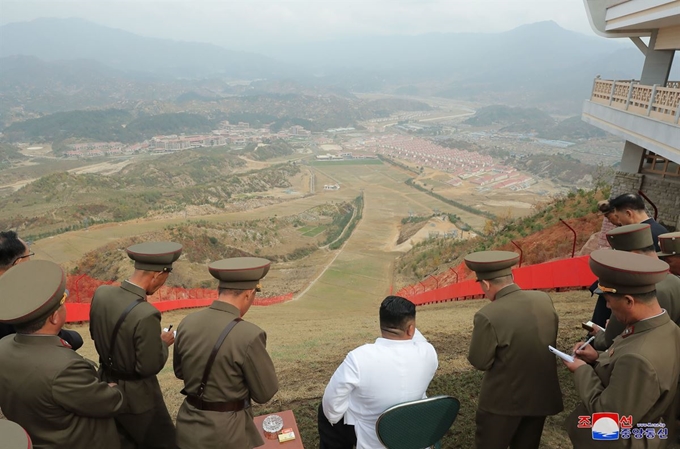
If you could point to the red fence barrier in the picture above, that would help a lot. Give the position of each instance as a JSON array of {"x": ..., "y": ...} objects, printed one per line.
[
  {"x": 565, "y": 273},
  {"x": 81, "y": 290}
]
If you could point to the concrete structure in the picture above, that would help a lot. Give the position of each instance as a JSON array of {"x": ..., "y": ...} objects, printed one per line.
[{"x": 644, "y": 112}]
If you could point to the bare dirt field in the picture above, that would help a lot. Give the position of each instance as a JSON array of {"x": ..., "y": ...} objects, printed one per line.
[
  {"x": 500, "y": 202},
  {"x": 37, "y": 150},
  {"x": 103, "y": 168},
  {"x": 436, "y": 225},
  {"x": 331, "y": 147}
]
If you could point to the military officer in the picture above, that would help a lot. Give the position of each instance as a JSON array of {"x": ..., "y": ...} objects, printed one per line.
[
  {"x": 132, "y": 349},
  {"x": 224, "y": 363},
  {"x": 670, "y": 251},
  {"x": 14, "y": 251},
  {"x": 509, "y": 342},
  {"x": 637, "y": 238},
  {"x": 638, "y": 375},
  {"x": 46, "y": 387}
]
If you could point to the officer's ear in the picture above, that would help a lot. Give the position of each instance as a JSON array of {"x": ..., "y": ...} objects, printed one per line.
[
  {"x": 55, "y": 317},
  {"x": 411, "y": 329},
  {"x": 628, "y": 301}
]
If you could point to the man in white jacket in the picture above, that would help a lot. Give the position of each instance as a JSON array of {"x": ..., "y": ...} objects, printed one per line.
[{"x": 397, "y": 368}]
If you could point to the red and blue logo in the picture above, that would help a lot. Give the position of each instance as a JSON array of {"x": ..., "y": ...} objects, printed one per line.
[{"x": 605, "y": 426}]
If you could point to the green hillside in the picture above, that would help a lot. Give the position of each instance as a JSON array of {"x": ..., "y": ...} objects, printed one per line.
[
  {"x": 110, "y": 125},
  {"x": 64, "y": 201}
]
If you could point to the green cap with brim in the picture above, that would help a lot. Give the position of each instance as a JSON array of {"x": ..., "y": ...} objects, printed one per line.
[
  {"x": 631, "y": 237},
  {"x": 621, "y": 272},
  {"x": 491, "y": 264},
  {"x": 14, "y": 436},
  {"x": 669, "y": 244},
  {"x": 31, "y": 290},
  {"x": 240, "y": 273},
  {"x": 154, "y": 256}
]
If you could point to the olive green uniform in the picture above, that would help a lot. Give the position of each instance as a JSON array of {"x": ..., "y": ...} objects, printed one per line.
[
  {"x": 668, "y": 295},
  {"x": 55, "y": 394},
  {"x": 638, "y": 376},
  {"x": 140, "y": 354},
  {"x": 510, "y": 343},
  {"x": 242, "y": 370}
]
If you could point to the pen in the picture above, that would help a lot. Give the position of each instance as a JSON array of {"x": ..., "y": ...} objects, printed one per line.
[
  {"x": 585, "y": 344},
  {"x": 170, "y": 328}
]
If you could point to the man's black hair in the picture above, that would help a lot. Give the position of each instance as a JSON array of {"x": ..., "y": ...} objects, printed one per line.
[
  {"x": 648, "y": 249},
  {"x": 10, "y": 248},
  {"x": 396, "y": 312},
  {"x": 230, "y": 291},
  {"x": 631, "y": 201},
  {"x": 642, "y": 297}
]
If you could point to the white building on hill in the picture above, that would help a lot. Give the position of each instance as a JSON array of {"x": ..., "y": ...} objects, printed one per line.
[{"x": 644, "y": 112}]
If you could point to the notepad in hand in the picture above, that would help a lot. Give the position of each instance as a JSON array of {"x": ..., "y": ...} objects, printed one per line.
[{"x": 561, "y": 354}]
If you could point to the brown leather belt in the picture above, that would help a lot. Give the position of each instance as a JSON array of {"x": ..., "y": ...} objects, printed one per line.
[
  {"x": 115, "y": 374},
  {"x": 231, "y": 406}
]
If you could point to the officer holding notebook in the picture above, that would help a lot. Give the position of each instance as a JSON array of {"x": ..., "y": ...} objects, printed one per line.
[
  {"x": 637, "y": 238},
  {"x": 224, "y": 363},
  {"x": 638, "y": 376},
  {"x": 510, "y": 344},
  {"x": 132, "y": 349}
]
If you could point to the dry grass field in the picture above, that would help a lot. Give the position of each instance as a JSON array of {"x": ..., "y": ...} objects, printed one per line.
[{"x": 310, "y": 336}]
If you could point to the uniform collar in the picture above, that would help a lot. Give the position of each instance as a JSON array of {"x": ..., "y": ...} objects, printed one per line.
[
  {"x": 225, "y": 307},
  {"x": 646, "y": 324},
  {"x": 506, "y": 291},
  {"x": 40, "y": 340},
  {"x": 133, "y": 288}
]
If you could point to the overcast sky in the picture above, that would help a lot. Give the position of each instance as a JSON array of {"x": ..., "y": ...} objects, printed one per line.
[{"x": 252, "y": 24}]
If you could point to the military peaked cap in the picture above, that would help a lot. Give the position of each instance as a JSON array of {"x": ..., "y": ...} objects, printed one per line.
[
  {"x": 491, "y": 264},
  {"x": 154, "y": 256},
  {"x": 14, "y": 436},
  {"x": 239, "y": 273},
  {"x": 669, "y": 244},
  {"x": 30, "y": 291},
  {"x": 626, "y": 273},
  {"x": 631, "y": 237}
]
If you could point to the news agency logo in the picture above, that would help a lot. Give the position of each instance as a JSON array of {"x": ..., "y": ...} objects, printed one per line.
[{"x": 606, "y": 426}]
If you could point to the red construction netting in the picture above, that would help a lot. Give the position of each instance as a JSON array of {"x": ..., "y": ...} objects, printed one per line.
[
  {"x": 82, "y": 288},
  {"x": 565, "y": 273}
]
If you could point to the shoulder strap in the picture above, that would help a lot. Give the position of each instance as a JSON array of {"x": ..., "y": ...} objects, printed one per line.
[
  {"x": 213, "y": 354},
  {"x": 116, "y": 328}
]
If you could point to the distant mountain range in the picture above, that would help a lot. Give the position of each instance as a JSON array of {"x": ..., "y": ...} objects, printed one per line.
[
  {"x": 66, "y": 39},
  {"x": 538, "y": 64}
]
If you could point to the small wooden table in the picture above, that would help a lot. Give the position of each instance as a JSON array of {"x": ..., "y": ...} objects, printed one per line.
[{"x": 288, "y": 423}]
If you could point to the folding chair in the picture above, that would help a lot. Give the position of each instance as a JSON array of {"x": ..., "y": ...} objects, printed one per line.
[{"x": 417, "y": 424}]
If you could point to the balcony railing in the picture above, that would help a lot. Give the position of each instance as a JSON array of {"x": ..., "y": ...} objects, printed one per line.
[{"x": 657, "y": 102}]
